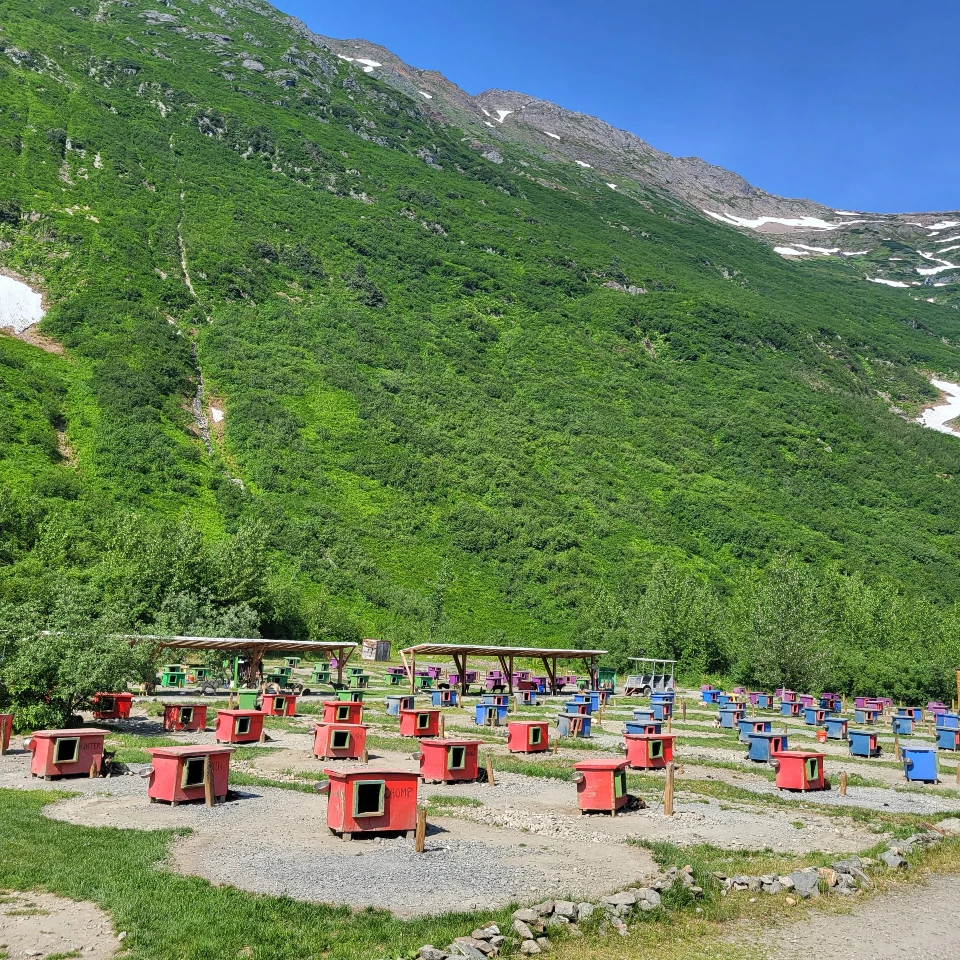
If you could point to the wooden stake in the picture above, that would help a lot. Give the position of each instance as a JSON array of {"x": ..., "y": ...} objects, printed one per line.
[
  {"x": 208, "y": 797},
  {"x": 683, "y": 710},
  {"x": 490, "y": 778},
  {"x": 230, "y": 701},
  {"x": 3, "y": 738},
  {"x": 669, "y": 724},
  {"x": 843, "y": 783},
  {"x": 420, "y": 837},
  {"x": 896, "y": 748},
  {"x": 668, "y": 792},
  {"x": 441, "y": 729},
  {"x": 556, "y": 747},
  {"x": 263, "y": 735},
  {"x": 958, "y": 773},
  {"x": 365, "y": 757},
  {"x": 93, "y": 771}
]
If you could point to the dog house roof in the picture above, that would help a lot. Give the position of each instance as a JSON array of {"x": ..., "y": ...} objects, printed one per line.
[
  {"x": 74, "y": 732},
  {"x": 600, "y": 765},
  {"x": 653, "y": 736},
  {"x": 450, "y": 742},
  {"x": 366, "y": 773},
  {"x": 240, "y": 713},
  {"x": 189, "y": 750}
]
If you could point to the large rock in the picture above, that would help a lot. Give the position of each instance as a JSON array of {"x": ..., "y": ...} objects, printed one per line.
[
  {"x": 565, "y": 908},
  {"x": 950, "y": 826},
  {"x": 429, "y": 952},
  {"x": 530, "y": 947},
  {"x": 625, "y": 899},
  {"x": 893, "y": 860},
  {"x": 526, "y": 915},
  {"x": 806, "y": 882},
  {"x": 523, "y": 930},
  {"x": 585, "y": 910}
]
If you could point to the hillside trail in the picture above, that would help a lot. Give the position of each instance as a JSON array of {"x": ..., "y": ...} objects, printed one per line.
[{"x": 918, "y": 921}]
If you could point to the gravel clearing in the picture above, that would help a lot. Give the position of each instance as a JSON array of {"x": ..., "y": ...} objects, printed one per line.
[{"x": 41, "y": 925}]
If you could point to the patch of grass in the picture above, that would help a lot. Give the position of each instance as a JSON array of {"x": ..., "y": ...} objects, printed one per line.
[
  {"x": 173, "y": 917},
  {"x": 63, "y": 956},
  {"x": 439, "y": 802}
]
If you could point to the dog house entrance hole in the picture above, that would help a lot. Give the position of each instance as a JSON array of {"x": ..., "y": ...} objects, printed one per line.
[
  {"x": 278, "y": 704},
  {"x": 66, "y": 750},
  {"x": 343, "y": 713},
  {"x": 656, "y": 749},
  {"x": 423, "y": 721},
  {"x": 107, "y": 704},
  {"x": 242, "y": 726},
  {"x": 536, "y": 736},
  {"x": 368, "y": 796},
  {"x": 186, "y": 714},
  {"x": 192, "y": 772},
  {"x": 812, "y": 769},
  {"x": 619, "y": 784},
  {"x": 457, "y": 758},
  {"x": 340, "y": 740}
]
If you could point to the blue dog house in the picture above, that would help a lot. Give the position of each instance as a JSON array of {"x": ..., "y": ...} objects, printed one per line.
[
  {"x": 643, "y": 715},
  {"x": 763, "y": 745},
  {"x": 836, "y": 728},
  {"x": 651, "y": 727},
  {"x": 526, "y": 698},
  {"x": 790, "y": 708},
  {"x": 764, "y": 701},
  {"x": 724, "y": 699},
  {"x": 662, "y": 709},
  {"x": 749, "y": 725},
  {"x": 444, "y": 698},
  {"x": 574, "y": 724},
  {"x": 863, "y": 743},
  {"x": 915, "y": 713},
  {"x": 865, "y": 715},
  {"x": 902, "y": 725},
  {"x": 814, "y": 716},
  {"x": 496, "y": 699},
  {"x": 920, "y": 764},
  {"x": 950, "y": 720},
  {"x": 490, "y": 714},
  {"x": 578, "y": 706},
  {"x": 398, "y": 702},
  {"x": 710, "y": 696},
  {"x": 730, "y": 716},
  {"x": 948, "y": 738}
]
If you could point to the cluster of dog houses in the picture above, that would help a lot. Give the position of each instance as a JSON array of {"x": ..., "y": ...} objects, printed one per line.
[{"x": 803, "y": 769}]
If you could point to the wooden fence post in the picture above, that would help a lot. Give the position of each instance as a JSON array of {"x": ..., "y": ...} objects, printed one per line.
[
  {"x": 208, "y": 796},
  {"x": 843, "y": 783},
  {"x": 490, "y": 777},
  {"x": 420, "y": 837},
  {"x": 668, "y": 792}
]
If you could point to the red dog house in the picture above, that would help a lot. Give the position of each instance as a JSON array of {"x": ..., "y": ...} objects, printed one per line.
[
  {"x": 66, "y": 753},
  {"x": 112, "y": 706},
  {"x": 279, "y": 704},
  {"x": 239, "y": 726},
  {"x": 419, "y": 723},
  {"x": 528, "y": 736},
  {"x": 6, "y": 729},
  {"x": 176, "y": 774},
  {"x": 371, "y": 801},
  {"x": 184, "y": 717},
  {"x": 342, "y": 711},
  {"x": 339, "y": 741},
  {"x": 799, "y": 770},
  {"x": 601, "y": 785},
  {"x": 448, "y": 761},
  {"x": 649, "y": 751}
]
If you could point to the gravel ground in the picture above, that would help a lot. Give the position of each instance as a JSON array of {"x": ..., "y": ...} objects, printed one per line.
[
  {"x": 41, "y": 925},
  {"x": 919, "y": 922}
]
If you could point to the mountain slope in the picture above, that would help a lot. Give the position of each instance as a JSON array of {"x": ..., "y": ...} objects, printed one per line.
[{"x": 421, "y": 374}]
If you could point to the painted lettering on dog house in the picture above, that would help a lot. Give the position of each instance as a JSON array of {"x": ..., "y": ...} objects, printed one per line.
[
  {"x": 363, "y": 801},
  {"x": 66, "y": 753}
]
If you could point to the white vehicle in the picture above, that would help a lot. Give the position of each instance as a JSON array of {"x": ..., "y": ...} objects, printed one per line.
[{"x": 653, "y": 675}]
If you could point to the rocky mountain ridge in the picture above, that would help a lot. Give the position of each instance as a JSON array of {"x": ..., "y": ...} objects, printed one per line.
[{"x": 902, "y": 250}]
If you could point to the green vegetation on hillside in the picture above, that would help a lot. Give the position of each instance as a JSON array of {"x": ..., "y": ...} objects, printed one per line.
[{"x": 438, "y": 420}]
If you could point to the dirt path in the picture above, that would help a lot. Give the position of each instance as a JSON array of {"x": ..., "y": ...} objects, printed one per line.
[
  {"x": 41, "y": 925},
  {"x": 919, "y": 922}
]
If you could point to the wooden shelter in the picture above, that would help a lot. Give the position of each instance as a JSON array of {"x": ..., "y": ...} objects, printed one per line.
[
  {"x": 504, "y": 655},
  {"x": 254, "y": 650}
]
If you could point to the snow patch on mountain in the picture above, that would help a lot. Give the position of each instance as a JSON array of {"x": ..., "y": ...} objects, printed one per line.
[
  {"x": 813, "y": 223},
  {"x": 20, "y": 307},
  {"x": 889, "y": 283}
]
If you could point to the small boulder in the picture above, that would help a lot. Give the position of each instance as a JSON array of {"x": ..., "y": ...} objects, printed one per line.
[
  {"x": 530, "y": 948},
  {"x": 893, "y": 860},
  {"x": 429, "y": 952},
  {"x": 806, "y": 882}
]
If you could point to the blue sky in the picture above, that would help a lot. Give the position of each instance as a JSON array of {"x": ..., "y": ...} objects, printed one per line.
[{"x": 847, "y": 102}]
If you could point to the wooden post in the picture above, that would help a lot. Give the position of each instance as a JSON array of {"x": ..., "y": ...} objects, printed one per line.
[
  {"x": 670, "y": 724},
  {"x": 3, "y": 738},
  {"x": 365, "y": 756},
  {"x": 556, "y": 747},
  {"x": 441, "y": 728},
  {"x": 490, "y": 777},
  {"x": 230, "y": 701},
  {"x": 420, "y": 836},
  {"x": 208, "y": 798},
  {"x": 93, "y": 771},
  {"x": 263, "y": 734},
  {"x": 668, "y": 792},
  {"x": 683, "y": 710},
  {"x": 843, "y": 783},
  {"x": 896, "y": 748},
  {"x": 958, "y": 773}
]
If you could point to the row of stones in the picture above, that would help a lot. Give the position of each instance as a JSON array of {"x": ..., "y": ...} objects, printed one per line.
[{"x": 532, "y": 925}]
